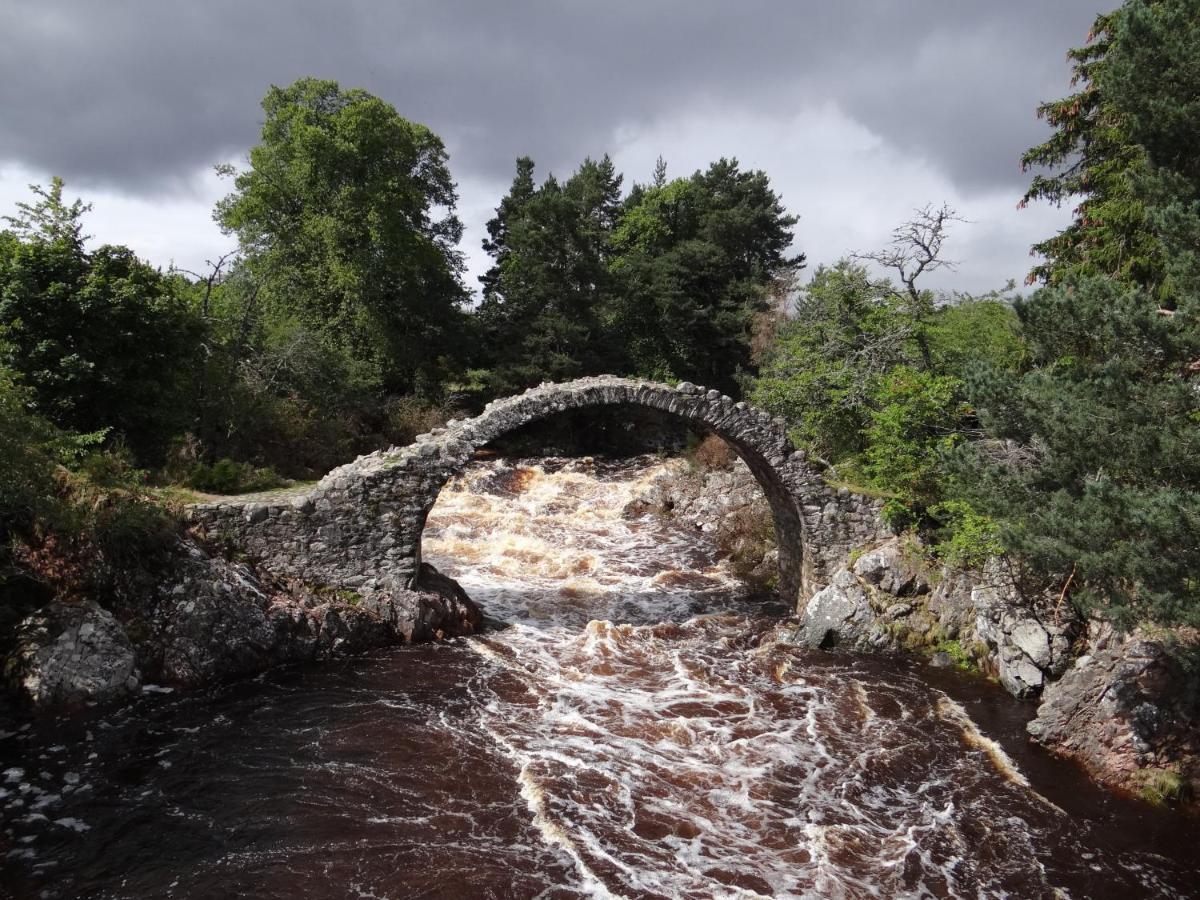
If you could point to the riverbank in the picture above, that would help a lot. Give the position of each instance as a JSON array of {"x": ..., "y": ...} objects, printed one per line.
[
  {"x": 635, "y": 730},
  {"x": 1125, "y": 706}
]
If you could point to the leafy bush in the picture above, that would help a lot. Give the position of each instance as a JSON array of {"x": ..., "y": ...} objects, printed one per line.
[
  {"x": 228, "y": 477},
  {"x": 111, "y": 509},
  {"x": 409, "y": 416},
  {"x": 916, "y": 418},
  {"x": 966, "y": 537}
]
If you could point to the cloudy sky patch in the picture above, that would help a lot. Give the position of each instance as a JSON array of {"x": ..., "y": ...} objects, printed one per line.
[{"x": 859, "y": 111}]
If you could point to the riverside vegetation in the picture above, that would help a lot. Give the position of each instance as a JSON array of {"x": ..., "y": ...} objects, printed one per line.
[{"x": 1061, "y": 428}]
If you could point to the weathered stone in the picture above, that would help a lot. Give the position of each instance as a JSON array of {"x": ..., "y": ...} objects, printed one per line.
[
  {"x": 837, "y": 615},
  {"x": 72, "y": 653},
  {"x": 1031, "y": 639},
  {"x": 356, "y": 496},
  {"x": 206, "y": 618},
  {"x": 890, "y": 569},
  {"x": 1125, "y": 708}
]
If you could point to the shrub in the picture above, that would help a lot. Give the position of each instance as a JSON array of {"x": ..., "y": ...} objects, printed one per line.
[
  {"x": 228, "y": 477},
  {"x": 966, "y": 537},
  {"x": 406, "y": 417},
  {"x": 111, "y": 510},
  {"x": 711, "y": 454}
]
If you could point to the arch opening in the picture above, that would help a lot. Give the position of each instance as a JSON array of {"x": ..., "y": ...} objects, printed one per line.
[{"x": 758, "y": 440}]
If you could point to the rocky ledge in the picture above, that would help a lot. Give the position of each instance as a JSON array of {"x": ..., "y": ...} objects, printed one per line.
[
  {"x": 199, "y": 618},
  {"x": 1129, "y": 710}
]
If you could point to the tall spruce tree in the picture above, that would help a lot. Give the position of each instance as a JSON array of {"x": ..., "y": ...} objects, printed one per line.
[
  {"x": 1093, "y": 470},
  {"x": 544, "y": 294}
]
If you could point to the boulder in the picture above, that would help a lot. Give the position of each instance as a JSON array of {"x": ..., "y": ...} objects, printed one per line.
[
  {"x": 72, "y": 653},
  {"x": 890, "y": 569},
  {"x": 210, "y": 618},
  {"x": 838, "y": 615},
  {"x": 1126, "y": 708},
  {"x": 1032, "y": 636}
]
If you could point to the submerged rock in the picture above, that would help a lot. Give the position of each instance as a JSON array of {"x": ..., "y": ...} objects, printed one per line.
[{"x": 72, "y": 653}]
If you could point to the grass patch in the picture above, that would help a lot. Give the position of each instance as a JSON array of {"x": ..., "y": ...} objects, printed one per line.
[{"x": 1162, "y": 787}]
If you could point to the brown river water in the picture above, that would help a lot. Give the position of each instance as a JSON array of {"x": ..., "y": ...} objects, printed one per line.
[{"x": 630, "y": 731}]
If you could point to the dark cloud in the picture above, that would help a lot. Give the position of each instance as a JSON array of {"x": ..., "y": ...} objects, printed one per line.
[{"x": 135, "y": 94}]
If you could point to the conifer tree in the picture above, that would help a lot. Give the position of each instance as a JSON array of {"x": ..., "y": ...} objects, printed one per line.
[{"x": 1093, "y": 467}]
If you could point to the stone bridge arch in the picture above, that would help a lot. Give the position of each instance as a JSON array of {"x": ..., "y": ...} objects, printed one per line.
[{"x": 359, "y": 529}]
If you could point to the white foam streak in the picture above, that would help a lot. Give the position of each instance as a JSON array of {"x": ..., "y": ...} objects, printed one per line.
[{"x": 660, "y": 757}]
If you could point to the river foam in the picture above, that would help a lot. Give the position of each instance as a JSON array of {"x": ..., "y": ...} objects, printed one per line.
[{"x": 632, "y": 730}]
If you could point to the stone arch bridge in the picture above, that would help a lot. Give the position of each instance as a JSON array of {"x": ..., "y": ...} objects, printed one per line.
[{"x": 359, "y": 529}]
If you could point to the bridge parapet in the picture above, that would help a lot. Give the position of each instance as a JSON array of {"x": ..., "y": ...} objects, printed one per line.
[{"x": 359, "y": 529}]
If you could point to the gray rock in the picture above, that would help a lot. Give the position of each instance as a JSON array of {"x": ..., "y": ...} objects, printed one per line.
[
  {"x": 1125, "y": 706},
  {"x": 1031, "y": 639},
  {"x": 890, "y": 569},
  {"x": 1020, "y": 677},
  {"x": 210, "y": 619},
  {"x": 72, "y": 653},
  {"x": 840, "y": 614}
]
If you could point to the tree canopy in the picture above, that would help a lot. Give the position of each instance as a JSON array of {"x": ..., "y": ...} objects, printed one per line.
[
  {"x": 665, "y": 282},
  {"x": 102, "y": 339},
  {"x": 1093, "y": 471},
  {"x": 346, "y": 215}
]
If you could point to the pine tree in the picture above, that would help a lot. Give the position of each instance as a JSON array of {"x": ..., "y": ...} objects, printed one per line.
[
  {"x": 543, "y": 295},
  {"x": 1093, "y": 467}
]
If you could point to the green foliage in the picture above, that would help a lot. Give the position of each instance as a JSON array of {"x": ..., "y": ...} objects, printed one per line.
[
  {"x": 228, "y": 477},
  {"x": 976, "y": 330},
  {"x": 872, "y": 382},
  {"x": 847, "y": 330},
  {"x": 346, "y": 218},
  {"x": 543, "y": 298},
  {"x": 959, "y": 655},
  {"x": 50, "y": 219},
  {"x": 695, "y": 260},
  {"x": 966, "y": 537},
  {"x": 1098, "y": 161},
  {"x": 915, "y": 421},
  {"x": 1092, "y": 466},
  {"x": 1162, "y": 787},
  {"x": 1101, "y": 471},
  {"x": 664, "y": 284},
  {"x": 27, "y": 459},
  {"x": 102, "y": 340}
]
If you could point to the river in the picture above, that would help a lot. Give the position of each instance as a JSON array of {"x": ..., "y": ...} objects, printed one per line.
[{"x": 631, "y": 731}]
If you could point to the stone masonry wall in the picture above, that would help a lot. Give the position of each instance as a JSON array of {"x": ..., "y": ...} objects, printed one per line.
[{"x": 360, "y": 527}]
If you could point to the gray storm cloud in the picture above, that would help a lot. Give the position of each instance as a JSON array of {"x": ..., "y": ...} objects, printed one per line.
[
  {"x": 135, "y": 98},
  {"x": 131, "y": 93}
]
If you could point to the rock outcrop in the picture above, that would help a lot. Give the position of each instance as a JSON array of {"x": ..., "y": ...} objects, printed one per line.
[
  {"x": 727, "y": 504},
  {"x": 889, "y": 600},
  {"x": 1129, "y": 711},
  {"x": 72, "y": 653},
  {"x": 196, "y": 618},
  {"x": 207, "y": 618}
]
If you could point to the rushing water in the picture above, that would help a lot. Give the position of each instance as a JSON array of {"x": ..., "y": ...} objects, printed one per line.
[{"x": 632, "y": 732}]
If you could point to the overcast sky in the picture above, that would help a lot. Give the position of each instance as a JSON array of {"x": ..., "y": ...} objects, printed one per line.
[{"x": 858, "y": 110}]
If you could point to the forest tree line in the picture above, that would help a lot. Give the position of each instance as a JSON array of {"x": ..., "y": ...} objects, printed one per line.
[{"x": 1062, "y": 427}]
